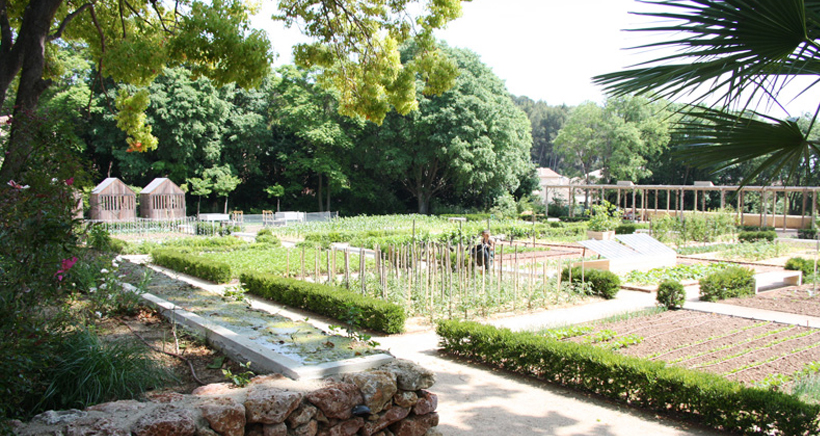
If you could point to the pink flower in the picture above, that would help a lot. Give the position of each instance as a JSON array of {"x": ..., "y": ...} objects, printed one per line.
[
  {"x": 16, "y": 185},
  {"x": 69, "y": 181},
  {"x": 64, "y": 267}
]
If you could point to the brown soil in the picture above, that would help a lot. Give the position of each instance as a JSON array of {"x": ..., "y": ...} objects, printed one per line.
[
  {"x": 740, "y": 349},
  {"x": 802, "y": 300}
]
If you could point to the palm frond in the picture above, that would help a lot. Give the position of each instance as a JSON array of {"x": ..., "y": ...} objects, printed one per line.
[
  {"x": 717, "y": 139},
  {"x": 730, "y": 46}
]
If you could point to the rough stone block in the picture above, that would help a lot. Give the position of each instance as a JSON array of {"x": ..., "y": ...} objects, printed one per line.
[
  {"x": 165, "y": 421},
  {"x": 269, "y": 405},
  {"x": 224, "y": 415},
  {"x": 336, "y": 401}
]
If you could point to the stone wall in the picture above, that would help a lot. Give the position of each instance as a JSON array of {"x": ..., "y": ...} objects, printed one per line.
[{"x": 390, "y": 400}]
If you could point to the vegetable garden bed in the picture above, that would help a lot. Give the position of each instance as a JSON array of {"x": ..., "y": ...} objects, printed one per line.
[{"x": 739, "y": 349}]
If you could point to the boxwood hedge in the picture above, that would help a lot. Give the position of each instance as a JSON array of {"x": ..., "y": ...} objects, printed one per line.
[
  {"x": 335, "y": 302},
  {"x": 697, "y": 396},
  {"x": 211, "y": 270}
]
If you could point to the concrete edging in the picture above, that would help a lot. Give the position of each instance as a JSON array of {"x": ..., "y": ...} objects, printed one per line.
[{"x": 238, "y": 348}]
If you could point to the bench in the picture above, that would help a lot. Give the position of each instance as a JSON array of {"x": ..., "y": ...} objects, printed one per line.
[{"x": 777, "y": 279}]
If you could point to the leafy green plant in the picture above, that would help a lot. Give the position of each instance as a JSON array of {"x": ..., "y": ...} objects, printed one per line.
[
  {"x": 240, "y": 379},
  {"x": 801, "y": 264},
  {"x": 604, "y": 217},
  {"x": 671, "y": 294},
  {"x": 604, "y": 283},
  {"x": 679, "y": 272},
  {"x": 732, "y": 282}
]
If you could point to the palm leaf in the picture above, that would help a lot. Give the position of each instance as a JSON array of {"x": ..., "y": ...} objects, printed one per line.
[
  {"x": 716, "y": 139},
  {"x": 732, "y": 46}
]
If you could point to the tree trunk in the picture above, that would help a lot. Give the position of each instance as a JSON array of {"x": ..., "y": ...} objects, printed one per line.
[
  {"x": 424, "y": 203},
  {"x": 226, "y": 204},
  {"x": 319, "y": 193},
  {"x": 27, "y": 56},
  {"x": 327, "y": 207},
  {"x": 198, "y": 203}
]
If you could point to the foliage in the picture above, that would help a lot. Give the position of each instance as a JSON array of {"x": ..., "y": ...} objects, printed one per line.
[
  {"x": 240, "y": 379},
  {"x": 694, "y": 227},
  {"x": 451, "y": 143},
  {"x": 767, "y": 235},
  {"x": 679, "y": 272},
  {"x": 266, "y": 236},
  {"x": 603, "y": 283},
  {"x": 629, "y": 228},
  {"x": 801, "y": 264},
  {"x": 546, "y": 121},
  {"x": 619, "y": 138},
  {"x": 504, "y": 206},
  {"x": 88, "y": 371},
  {"x": 731, "y": 282},
  {"x": 358, "y": 310},
  {"x": 671, "y": 294},
  {"x": 602, "y": 218},
  {"x": 734, "y": 57},
  {"x": 196, "y": 266},
  {"x": 807, "y": 233}
]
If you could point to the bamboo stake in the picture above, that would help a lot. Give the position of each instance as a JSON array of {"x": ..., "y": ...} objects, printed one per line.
[
  {"x": 302, "y": 275},
  {"x": 362, "y": 271},
  {"x": 347, "y": 268},
  {"x": 316, "y": 265},
  {"x": 327, "y": 259}
]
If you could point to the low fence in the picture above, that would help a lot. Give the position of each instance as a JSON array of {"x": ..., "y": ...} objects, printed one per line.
[{"x": 139, "y": 226}]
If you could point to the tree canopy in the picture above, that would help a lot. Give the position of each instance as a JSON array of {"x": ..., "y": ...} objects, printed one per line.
[{"x": 356, "y": 46}]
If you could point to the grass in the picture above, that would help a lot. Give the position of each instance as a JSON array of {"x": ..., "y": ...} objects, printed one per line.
[{"x": 89, "y": 371}]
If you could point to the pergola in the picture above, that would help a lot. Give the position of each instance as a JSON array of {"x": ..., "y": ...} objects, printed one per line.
[{"x": 644, "y": 201}]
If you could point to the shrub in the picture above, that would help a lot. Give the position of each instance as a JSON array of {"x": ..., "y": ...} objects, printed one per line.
[
  {"x": 335, "y": 302},
  {"x": 734, "y": 281},
  {"x": 629, "y": 228},
  {"x": 762, "y": 235},
  {"x": 807, "y": 233},
  {"x": 671, "y": 294},
  {"x": 196, "y": 266},
  {"x": 266, "y": 236},
  {"x": 603, "y": 283},
  {"x": 800, "y": 264},
  {"x": 700, "y": 397}
]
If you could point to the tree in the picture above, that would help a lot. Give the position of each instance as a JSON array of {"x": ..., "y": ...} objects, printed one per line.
[
  {"x": 471, "y": 139},
  {"x": 275, "y": 191},
  {"x": 546, "y": 121},
  {"x": 132, "y": 41},
  {"x": 222, "y": 182},
  {"x": 735, "y": 55},
  {"x": 199, "y": 187},
  {"x": 620, "y": 138}
]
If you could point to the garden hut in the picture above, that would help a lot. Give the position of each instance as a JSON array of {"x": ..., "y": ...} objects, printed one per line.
[
  {"x": 162, "y": 199},
  {"x": 113, "y": 200}
]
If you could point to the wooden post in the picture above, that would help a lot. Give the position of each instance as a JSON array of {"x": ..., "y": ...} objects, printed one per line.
[
  {"x": 785, "y": 207},
  {"x": 287, "y": 262},
  {"x": 803, "y": 211},
  {"x": 722, "y": 198},
  {"x": 347, "y": 267},
  {"x": 302, "y": 274},
  {"x": 741, "y": 205},
  {"x": 316, "y": 254},
  {"x": 327, "y": 258}
]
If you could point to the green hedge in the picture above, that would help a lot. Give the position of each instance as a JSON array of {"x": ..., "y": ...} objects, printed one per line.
[
  {"x": 807, "y": 233},
  {"x": 191, "y": 264},
  {"x": 700, "y": 397},
  {"x": 762, "y": 235},
  {"x": 604, "y": 283},
  {"x": 335, "y": 302},
  {"x": 671, "y": 294},
  {"x": 800, "y": 264},
  {"x": 734, "y": 281}
]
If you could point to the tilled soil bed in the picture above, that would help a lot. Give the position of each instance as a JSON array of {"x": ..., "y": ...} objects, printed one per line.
[
  {"x": 739, "y": 349},
  {"x": 802, "y": 300}
]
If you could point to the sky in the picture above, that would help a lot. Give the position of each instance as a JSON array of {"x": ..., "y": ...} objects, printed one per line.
[{"x": 543, "y": 49}]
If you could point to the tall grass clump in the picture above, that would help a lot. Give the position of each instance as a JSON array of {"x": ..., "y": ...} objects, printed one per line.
[{"x": 87, "y": 371}]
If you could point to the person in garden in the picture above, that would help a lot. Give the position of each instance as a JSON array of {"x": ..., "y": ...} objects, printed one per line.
[{"x": 485, "y": 250}]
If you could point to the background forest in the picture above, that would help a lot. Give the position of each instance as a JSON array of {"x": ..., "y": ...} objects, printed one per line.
[{"x": 284, "y": 143}]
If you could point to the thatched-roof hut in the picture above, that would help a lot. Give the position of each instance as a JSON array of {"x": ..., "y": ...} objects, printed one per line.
[
  {"x": 162, "y": 199},
  {"x": 113, "y": 200}
]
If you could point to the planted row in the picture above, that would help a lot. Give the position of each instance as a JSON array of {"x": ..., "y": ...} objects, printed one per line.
[
  {"x": 332, "y": 301},
  {"x": 701, "y": 397}
]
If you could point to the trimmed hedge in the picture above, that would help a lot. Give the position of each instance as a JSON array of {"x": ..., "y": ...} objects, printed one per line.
[
  {"x": 800, "y": 264},
  {"x": 697, "y": 396},
  {"x": 604, "y": 283},
  {"x": 671, "y": 294},
  {"x": 206, "y": 269},
  {"x": 807, "y": 233},
  {"x": 335, "y": 302},
  {"x": 763, "y": 235},
  {"x": 734, "y": 281}
]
